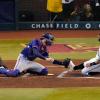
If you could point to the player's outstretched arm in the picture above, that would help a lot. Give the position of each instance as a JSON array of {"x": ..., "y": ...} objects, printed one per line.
[
  {"x": 65, "y": 62},
  {"x": 50, "y": 59}
]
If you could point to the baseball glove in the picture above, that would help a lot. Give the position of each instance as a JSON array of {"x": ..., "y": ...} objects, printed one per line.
[{"x": 66, "y": 62}]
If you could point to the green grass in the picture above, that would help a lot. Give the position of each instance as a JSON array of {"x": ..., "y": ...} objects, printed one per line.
[
  {"x": 86, "y": 93},
  {"x": 74, "y": 55},
  {"x": 88, "y": 41},
  {"x": 9, "y": 49}
]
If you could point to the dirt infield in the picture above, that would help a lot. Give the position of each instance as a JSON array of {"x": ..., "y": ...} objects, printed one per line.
[
  {"x": 29, "y": 34},
  {"x": 47, "y": 81}
]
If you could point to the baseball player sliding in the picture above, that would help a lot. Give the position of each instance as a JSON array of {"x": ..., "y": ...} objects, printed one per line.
[
  {"x": 90, "y": 67},
  {"x": 37, "y": 48}
]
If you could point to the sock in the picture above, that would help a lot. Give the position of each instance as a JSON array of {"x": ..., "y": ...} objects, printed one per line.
[{"x": 81, "y": 66}]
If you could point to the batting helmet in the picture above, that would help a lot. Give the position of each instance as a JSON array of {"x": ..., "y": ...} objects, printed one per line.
[{"x": 49, "y": 38}]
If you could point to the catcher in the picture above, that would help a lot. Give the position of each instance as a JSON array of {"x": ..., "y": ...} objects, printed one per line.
[{"x": 26, "y": 63}]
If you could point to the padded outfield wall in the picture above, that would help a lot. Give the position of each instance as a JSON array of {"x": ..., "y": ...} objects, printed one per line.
[{"x": 32, "y": 14}]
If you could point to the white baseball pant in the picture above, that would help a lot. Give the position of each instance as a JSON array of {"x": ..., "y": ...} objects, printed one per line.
[
  {"x": 23, "y": 64},
  {"x": 93, "y": 68}
]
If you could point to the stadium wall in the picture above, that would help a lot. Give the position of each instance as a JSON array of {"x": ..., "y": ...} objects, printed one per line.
[{"x": 32, "y": 14}]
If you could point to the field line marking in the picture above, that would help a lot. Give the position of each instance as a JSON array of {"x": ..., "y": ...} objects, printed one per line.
[{"x": 98, "y": 78}]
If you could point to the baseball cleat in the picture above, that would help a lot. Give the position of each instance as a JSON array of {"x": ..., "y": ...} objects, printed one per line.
[
  {"x": 68, "y": 63},
  {"x": 71, "y": 65}
]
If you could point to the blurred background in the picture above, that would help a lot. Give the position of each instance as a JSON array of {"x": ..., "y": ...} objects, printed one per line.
[{"x": 13, "y": 12}]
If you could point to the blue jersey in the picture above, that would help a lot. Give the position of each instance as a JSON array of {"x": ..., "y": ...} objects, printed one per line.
[{"x": 35, "y": 49}]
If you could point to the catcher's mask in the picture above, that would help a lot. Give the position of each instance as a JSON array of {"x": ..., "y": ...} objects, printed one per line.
[{"x": 49, "y": 38}]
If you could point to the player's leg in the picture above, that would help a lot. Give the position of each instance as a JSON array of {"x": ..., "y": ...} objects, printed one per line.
[
  {"x": 4, "y": 70},
  {"x": 66, "y": 62},
  {"x": 91, "y": 62},
  {"x": 20, "y": 63},
  {"x": 36, "y": 68},
  {"x": 84, "y": 64},
  {"x": 41, "y": 70},
  {"x": 92, "y": 70},
  {"x": 10, "y": 73},
  {"x": 23, "y": 65}
]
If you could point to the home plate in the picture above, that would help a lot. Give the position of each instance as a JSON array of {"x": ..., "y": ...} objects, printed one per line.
[{"x": 50, "y": 74}]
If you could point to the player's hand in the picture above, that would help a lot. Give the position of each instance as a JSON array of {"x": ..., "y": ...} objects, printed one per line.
[{"x": 50, "y": 59}]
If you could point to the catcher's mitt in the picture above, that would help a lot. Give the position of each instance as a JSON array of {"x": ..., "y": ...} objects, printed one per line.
[{"x": 66, "y": 62}]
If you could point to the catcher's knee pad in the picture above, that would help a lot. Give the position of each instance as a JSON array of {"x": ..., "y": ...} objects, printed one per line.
[{"x": 44, "y": 71}]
